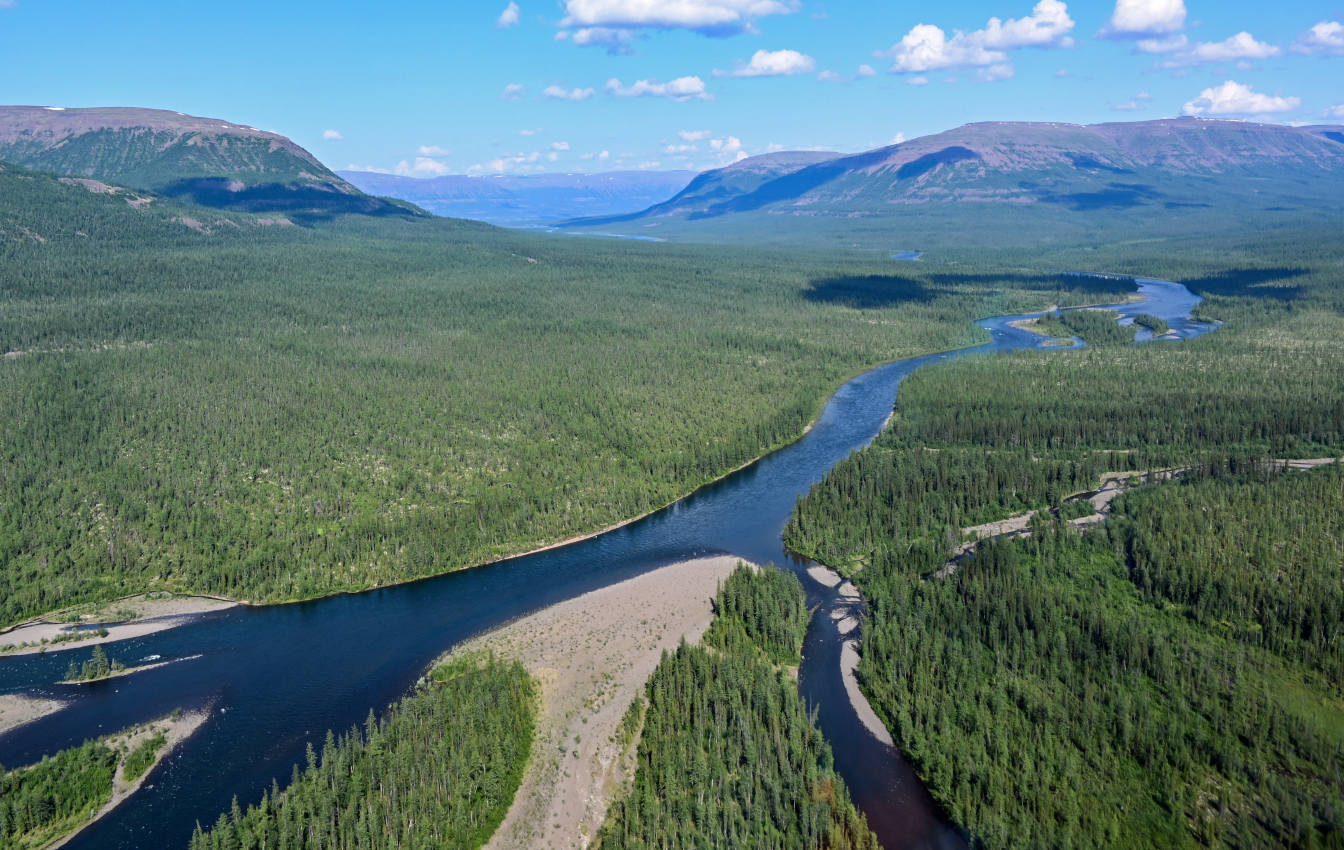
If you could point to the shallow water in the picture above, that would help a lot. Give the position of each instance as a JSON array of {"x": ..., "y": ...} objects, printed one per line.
[{"x": 276, "y": 678}]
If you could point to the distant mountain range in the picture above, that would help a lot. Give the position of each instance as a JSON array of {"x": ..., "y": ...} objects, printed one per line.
[
  {"x": 1002, "y": 182},
  {"x": 527, "y": 199},
  {"x": 201, "y": 160}
]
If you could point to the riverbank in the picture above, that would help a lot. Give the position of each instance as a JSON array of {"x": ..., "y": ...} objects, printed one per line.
[
  {"x": 17, "y": 709},
  {"x": 175, "y": 730},
  {"x": 846, "y": 615},
  {"x": 119, "y": 619},
  {"x": 592, "y": 655}
]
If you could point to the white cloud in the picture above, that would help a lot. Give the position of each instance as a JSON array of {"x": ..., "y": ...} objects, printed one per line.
[
  {"x": 680, "y": 148},
  {"x": 1140, "y": 101},
  {"x": 1326, "y": 37},
  {"x": 552, "y": 156},
  {"x": 1232, "y": 98},
  {"x": 867, "y": 71},
  {"x": 694, "y": 135},
  {"x": 7, "y": 4},
  {"x": 773, "y": 63},
  {"x": 513, "y": 162},
  {"x": 615, "y": 40},
  {"x": 709, "y": 17},
  {"x": 433, "y": 150},
  {"x": 682, "y": 88},
  {"x": 508, "y": 17},
  {"x": 1240, "y": 47},
  {"x": 1162, "y": 44},
  {"x": 332, "y": 135},
  {"x": 994, "y": 73},
  {"x": 1336, "y": 111},
  {"x": 917, "y": 81},
  {"x": 513, "y": 91},
  {"x": 731, "y": 144},
  {"x": 559, "y": 146},
  {"x": 928, "y": 48},
  {"x": 898, "y": 139},
  {"x": 426, "y": 165},
  {"x": 829, "y": 77},
  {"x": 562, "y": 93},
  {"x": 1145, "y": 18},
  {"x": 529, "y": 131}
]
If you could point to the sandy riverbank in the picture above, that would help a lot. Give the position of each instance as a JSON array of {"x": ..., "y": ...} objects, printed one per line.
[
  {"x": 175, "y": 730},
  {"x": 17, "y": 709},
  {"x": 592, "y": 656},
  {"x": 132, "y": 616}
]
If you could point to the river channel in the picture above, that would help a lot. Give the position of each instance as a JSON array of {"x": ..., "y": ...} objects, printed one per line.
[{"x": 275, "y": 678}]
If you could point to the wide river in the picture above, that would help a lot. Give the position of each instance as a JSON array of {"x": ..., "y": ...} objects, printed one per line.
[{"x": 277, "y": 677}]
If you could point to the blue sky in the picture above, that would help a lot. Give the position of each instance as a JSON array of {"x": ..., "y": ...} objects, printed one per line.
[{"x": 590, "y": 85}]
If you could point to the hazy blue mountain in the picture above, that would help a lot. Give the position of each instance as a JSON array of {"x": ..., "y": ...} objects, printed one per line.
[{"x": 527, "y": 199}]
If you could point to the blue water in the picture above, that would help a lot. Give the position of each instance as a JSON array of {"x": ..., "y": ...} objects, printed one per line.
[{"x": 276, "y": 678}]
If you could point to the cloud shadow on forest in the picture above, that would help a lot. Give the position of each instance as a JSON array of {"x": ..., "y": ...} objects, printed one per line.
[{"x": 869, "y": 292}]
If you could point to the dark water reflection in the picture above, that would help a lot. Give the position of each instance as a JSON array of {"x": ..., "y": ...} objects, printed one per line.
[{"x": 276, "y": 678}]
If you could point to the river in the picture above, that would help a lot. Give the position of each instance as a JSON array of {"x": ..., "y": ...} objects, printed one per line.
[{"x": 275, "y": 678}]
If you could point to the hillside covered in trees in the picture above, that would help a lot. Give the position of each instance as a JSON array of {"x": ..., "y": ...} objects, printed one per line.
[{"x": 245, "y": 407}]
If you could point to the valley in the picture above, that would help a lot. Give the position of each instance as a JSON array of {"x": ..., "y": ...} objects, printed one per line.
[{"x": 232, "y": 373}]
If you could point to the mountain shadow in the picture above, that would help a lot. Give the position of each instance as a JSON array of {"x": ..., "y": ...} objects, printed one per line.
[{"x": 868, "y": 292}]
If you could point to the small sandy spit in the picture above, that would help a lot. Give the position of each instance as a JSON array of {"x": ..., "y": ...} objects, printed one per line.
[
  {"x": 17, "y": 709},
  {"x": 175, "y": 730},
  {"x": 592, "y": 656},
  {"x": 130, "y": 617}
]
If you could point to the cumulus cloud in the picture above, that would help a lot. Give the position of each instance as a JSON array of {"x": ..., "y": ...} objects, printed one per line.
[
  {"x": 682, "y": 88},
  {"x": 1136, "y": 19},
  {"x": 728, "y": 145},
  {"x": 432, "y": 150},
  {"x": 514, "y": 162},
  {"x": 1239, "y": 48},
  {"x": 562, "y": 93},
  {"x": 867, "y": 71},
  {"x": 513, "y": 91},
  {"x": 427, "y": 165},
  {"x": 708, "y": 17},
  {"x": 994, "y": 73},
  {"x": 898, "y": 139},
  {"x": 773, "y": 63},
  {"x": 928, "y": 48},
  {"x": 1233, "y": 98},
  {"x": 559, "y": 146},
  {"x": 1327, "y": 37},
  {"x": 1336, "y": 111},
  {"x": 694, "y": 135},
  {"x": 830, "y": 77},
  {"x": 332, "y": 135},
  {"x": 508, "y": 17},
  {"x": 917, "y": 81},
  {"x": 680, "y": 148}
]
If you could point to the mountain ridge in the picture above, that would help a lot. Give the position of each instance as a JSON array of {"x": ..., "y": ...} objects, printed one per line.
[
  {"x": 206, "y": 161},
  {"x": 1012, "y": 168}
]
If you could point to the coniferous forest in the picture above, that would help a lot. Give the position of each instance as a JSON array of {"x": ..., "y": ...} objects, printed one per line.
[
  {"x": 728, "y": 756},
  {"x": 1171, "y": 676},
  {"x": 271, "y": 413},
  {"x": 440, "y": 770}
]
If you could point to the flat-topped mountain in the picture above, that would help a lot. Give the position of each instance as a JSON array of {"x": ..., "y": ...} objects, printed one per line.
[
  {"x": 1025, "y": 173},
  {"x": 203, "y": 160}
]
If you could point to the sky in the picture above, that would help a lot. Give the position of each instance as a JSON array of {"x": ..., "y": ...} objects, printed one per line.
[{"x": 521, "y": 86}]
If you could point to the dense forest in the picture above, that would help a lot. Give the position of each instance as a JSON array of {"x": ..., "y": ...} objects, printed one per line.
[
  {"x": 729, "y": 757},
  {"x": 1171, "y": 677},
  {"x": 44, "y": 801},
  {"x": 272, "y": 412},
  {"x": 438, "y": 771}
]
